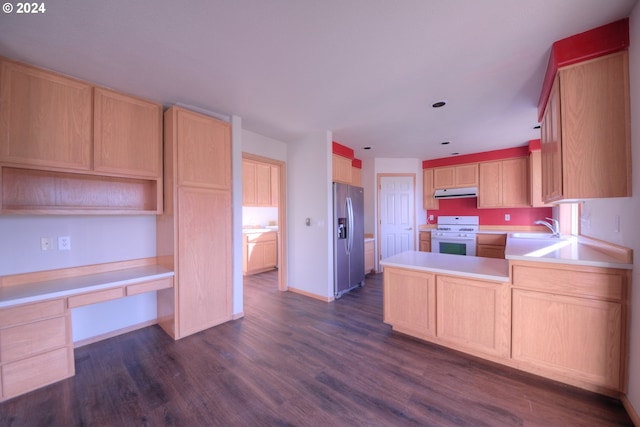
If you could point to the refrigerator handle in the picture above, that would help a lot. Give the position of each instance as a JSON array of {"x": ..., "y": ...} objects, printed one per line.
[{"x": 350, "y": 225}]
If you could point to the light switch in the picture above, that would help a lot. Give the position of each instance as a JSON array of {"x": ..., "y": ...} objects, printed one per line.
[
  {"x": 64, "y": 243},
  {"x": 507, "y": 217}
]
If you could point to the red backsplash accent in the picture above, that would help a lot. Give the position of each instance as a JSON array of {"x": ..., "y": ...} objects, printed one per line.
[
  {"x": 519, "y": 216},
  {"x": 485, "y": 156}
]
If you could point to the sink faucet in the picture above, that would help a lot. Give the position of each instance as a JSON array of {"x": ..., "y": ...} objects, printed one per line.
[{"x": 552, "y": 225}]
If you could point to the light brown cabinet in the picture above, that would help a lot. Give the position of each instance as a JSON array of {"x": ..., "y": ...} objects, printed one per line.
[
  {"x": 127, "y": 131},
  {"x": 424, "y": 240},
  {"x": 260, "y": 252},
  {"x": 369, "y": 256},
  {"x": 428, "y": 189},
  {"x": 410, "y": 301},
  {"x": 36, "y": 347},
  {"x": 356, "y": 176},
  {"x": 194, "y": 236},
  {"x": 67, "y": 147},
  {"x": 342, "y": 169},
  {"x": 585, "y": 139},
  {"x": 259, "y": 184},
  {"x": 582, "y": 334},
  {"x": 535, "y": 179},
  {"x": 504, "y": 184},
  {"x": 474, "y": 314},
  {"x": 465, "y": 175},
  {"x": 491, "y": 245}
]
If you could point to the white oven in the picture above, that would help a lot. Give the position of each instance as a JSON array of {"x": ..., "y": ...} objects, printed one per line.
[{"x": 455, "y": 235}]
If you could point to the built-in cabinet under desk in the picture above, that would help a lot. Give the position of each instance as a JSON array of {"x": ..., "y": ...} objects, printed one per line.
[{"x": 36, "y": 344}]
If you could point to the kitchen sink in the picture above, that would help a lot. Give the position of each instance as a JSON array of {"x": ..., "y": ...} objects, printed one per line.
[{"x": 537, "y": 236}]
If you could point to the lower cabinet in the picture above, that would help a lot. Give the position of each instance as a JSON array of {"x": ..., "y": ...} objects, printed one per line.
[
  {"x": 491, "y": 245},
  {"x": 474, "y": 314},
  {"x": 36, "y": 348},
  {"x": 369, "y": 256},
  {"x": 425, "y": 241},
  {"x": 410, "y": 301},
  {"x": 260, "y": 252}
]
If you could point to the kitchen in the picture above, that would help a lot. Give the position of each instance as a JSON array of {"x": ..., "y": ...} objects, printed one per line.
[{"x": 307, "y": 159}]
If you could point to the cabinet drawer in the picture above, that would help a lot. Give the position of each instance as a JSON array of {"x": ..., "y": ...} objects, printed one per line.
[
  {"x": 153, "y": 285},
  {"x": 32, "y": 338},
  {"x": 95, "y": 297},
  {"x": 594, "y": 282},
  {"x": 261, "y": 237},
  {"x": 425, "y": 236},
  {"x": 30, "y": 312},
  {"x": 491, "y": 239},
  {"x": 35, "y": 372}
]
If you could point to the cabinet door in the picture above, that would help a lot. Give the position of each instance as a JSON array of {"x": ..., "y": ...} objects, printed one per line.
[
  {"x": 466, "y": 175},
  {"x": 410, "y": 301},
  {"x": 444, "y": 177},
  {"x": 369, "y": 256},
  {"x": 474, "y": 315},
  {"x": 551, "y": 147},
  {"x": 204, "y": 151},
  {"x": 535, "y": 179},
  {"x": 428, "y": 188},
  {"x": 515, "y": 183},
  {"x": 45, "y": 119},
  {"x": 204, "y": 259},
  {"x": 127, "y": 135},
  {"x": 490, "y": 189},
  {"x": 576, "y": 337},
  {"x": 263, "y": 184},
  {"x": 249, "y": 196},
  {"x": 356, "y": 177},
  {"x": 275, "y": 185},
  {"x": 341, "y": 169}
]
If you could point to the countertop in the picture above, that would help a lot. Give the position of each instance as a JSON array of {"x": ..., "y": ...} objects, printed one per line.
[
  {"x": 454, "y": 265},
  {"x": 60, "y": 288},
  {"x": 567, "y": 250}
]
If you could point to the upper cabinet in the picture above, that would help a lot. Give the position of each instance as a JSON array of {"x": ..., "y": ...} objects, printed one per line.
[
  {"x": 465, "y": 175},
  {"x": 342, "y": 169},
  {"x": 126, "y": 135},
  {"x": 45, "y": 118},
  {"x": 585, "y": 139},
  {"x": 428, "y": 188},
  {"x": 504, "y": 184},
  {"x": 259, "y": 183},
  {"x": 68, "y": 147}
]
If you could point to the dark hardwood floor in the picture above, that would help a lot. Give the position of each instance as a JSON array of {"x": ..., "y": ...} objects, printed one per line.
[{"x": 296, "y": 361}]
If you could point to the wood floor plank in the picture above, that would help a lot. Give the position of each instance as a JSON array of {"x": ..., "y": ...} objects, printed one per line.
[{"x": 297, "y": 361}]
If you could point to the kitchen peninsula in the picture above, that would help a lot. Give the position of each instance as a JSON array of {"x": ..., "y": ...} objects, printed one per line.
[{"x": 554, "y": 307}]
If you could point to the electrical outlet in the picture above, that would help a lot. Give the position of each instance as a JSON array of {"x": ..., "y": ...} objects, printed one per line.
[
  {"x": 64, "y": 243},
  {"x": 46, "y": 243},
  {"x": 507, "y": 217},
  {"x": 431, "y": 217}
]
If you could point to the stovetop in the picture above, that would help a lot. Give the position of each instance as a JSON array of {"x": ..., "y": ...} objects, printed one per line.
[{"x": 468, "y": 224}]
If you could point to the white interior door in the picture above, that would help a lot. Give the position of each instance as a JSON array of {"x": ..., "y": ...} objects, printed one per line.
[{"x": 397, "y": 222}]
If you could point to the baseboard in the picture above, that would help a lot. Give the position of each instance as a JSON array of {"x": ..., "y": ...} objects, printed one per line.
[
  {"x": 310, "y": 295},
  {"x": 91, "y": 340},
  {"x": 630, "y": 410}
]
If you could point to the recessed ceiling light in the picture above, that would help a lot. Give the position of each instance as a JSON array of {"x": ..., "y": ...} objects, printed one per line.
[
  {"x": 445, "y": 142},
  {"x": 366, "y": 148},
  {"x": 455, "y": 154},
  {"x": 536, "y": 127},
  {"x": 439, "y": 104}
]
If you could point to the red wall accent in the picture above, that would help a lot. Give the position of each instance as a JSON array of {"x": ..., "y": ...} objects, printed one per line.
[
  {"x": 534, "y": 145},
  {"x": 485, "y": 156},
  {"x": 591, "y": 44},
  {"x": 519, "y": 216},
  {"x": 342, "y": 150},
  {"x": 356, "y": 163}
]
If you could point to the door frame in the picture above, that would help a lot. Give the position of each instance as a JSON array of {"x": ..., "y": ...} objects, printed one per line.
[
  {"x": 379, "y": 177},
  {"x": 282, "y": 215}
]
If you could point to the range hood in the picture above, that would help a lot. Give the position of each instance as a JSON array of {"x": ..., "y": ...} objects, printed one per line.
[{"x": 456, "y": 193}]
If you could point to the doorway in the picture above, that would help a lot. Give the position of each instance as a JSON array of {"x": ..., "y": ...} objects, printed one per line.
[
  {"x": 396, "y": 213},
  {"x": 272, "y": 183}
]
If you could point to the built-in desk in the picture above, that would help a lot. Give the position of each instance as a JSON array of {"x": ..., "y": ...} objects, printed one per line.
[{"x": 36, "y": 345}]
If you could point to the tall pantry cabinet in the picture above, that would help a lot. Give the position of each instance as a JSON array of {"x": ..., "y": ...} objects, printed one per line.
[{"x": 194, "y": 233}]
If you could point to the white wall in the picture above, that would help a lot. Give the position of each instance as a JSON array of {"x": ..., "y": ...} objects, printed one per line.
[
  {"x": 94, "y": 240},
  {"x": 264, "y": 146},
  {"x": 599, "y": 217},
  {"x": 236, "y": 201},
  {"x": 309, "y": 194},
  {"x": 369, "y": 185}
]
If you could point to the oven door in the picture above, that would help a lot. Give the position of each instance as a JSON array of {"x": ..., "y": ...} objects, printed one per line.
[{"x": 455, "y": 245}]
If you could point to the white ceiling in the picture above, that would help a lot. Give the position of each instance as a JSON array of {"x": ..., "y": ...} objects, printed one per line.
[{"x": 368, "y": 70}]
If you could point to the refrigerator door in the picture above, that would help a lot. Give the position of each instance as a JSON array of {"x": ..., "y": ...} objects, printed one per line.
[
  {"x": 340, "y": 239},
  {"x": 356, "y": 258}
]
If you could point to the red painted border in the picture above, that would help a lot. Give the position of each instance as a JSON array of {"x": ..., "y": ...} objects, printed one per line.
[
  {"x": 581, "y": 47},
  {"x": 342, "y": 150},
  {"x": 534, "y": 145},
  {"x": 356, "y": 163},
  {"x": 485, "y": 156}
]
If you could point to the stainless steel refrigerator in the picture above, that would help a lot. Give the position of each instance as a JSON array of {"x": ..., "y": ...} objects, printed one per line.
[{"x": 348, "y": 239}]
